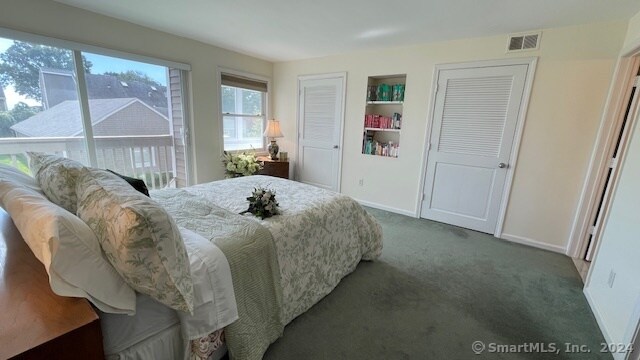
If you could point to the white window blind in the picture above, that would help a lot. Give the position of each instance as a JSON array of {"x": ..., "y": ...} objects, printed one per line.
[{"x": 244, "y": 83}]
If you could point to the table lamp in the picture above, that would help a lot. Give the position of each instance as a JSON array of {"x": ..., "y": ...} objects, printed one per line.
[{"x": 273, "y": 132}]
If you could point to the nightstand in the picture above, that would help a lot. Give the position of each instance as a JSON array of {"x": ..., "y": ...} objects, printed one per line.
[{"x": 275, "y": 168}]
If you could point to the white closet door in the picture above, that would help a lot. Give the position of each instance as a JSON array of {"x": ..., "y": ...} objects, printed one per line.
[
  {"x": 320, "y": 127},
  {"x": 476, "y": 112}
]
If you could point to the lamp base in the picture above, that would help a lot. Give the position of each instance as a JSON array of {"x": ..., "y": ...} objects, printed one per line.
[{"x": 273, "y": 149}]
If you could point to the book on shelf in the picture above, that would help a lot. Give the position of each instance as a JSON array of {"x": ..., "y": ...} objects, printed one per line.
[
  {"x": 385, "y": 92},
  {"x": 383, "y": 122},
  {"x": 374, "y": 147}
]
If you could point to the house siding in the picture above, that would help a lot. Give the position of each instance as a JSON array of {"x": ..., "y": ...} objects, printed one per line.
[
  {"x": 177, "y": 118},
  {"x": 135, "y": 119}
]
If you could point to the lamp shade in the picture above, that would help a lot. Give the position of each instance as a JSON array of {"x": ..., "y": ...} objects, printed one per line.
[{"x": 273, "y": 129}]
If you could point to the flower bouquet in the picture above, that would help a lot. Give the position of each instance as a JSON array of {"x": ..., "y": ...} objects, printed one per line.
[
  {"x": 240, "y": 164},
  {"x": 262, "y": 203}
]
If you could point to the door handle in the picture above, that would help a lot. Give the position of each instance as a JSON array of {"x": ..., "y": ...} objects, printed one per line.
[
  {"x": 502, "y": 165},
  {"x": 335, "y": 146}
]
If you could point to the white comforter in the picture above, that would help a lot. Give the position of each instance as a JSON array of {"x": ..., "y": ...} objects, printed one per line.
[{"x": 320, "y": 235}]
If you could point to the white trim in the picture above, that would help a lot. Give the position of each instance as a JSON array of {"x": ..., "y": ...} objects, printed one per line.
[
  {"x": 188, "y": 124},
  {"x": 171, "y": 131},
  {"x": 73, "y": 45},
  {"x": 386, "y": 208},
  {"x": 633, "y": 332},
  {"x": 611, "y": 120},
  {"x": 322, "y": 76},
  {"x": 515, "y": 148},
  {"x": 632, "y": 49},
  {"x": 427, "y": 140},
  {"x": 333, "y": 75},
  {"x": 598, "y": 315},
  {"x": 85, "y": 110},
  {"x": 533, "y": 243},
  {"x": 487, "y": 63},
  {"x": 531, "y": 63}
]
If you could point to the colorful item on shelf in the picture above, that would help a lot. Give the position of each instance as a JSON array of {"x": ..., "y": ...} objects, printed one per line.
[
  {"x": 397, "y": 120},
  {"x": 374, "y": 147},
  {"x": 383, "y": 122},
  {"x": 371, "y": 93},
  {"x": 398, "y": 92},
  {"x": 383, "y": 93}
]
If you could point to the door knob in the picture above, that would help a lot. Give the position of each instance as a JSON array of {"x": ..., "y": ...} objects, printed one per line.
[
  {"x": 335, "y": 146},
  {"x": 502, "y": 165}
]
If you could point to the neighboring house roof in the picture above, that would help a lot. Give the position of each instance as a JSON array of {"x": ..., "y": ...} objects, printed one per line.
[
  {"x": 65, "y": 119},
  {"x": 3, "y": 100},
  {"x": 59, "y": 85}
]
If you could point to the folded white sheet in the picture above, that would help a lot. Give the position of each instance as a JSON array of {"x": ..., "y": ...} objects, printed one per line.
[{"x": 214, "y": 305}]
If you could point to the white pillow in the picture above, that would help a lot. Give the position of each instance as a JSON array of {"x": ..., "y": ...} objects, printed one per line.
[
  {"x": 10, "y": 173},
  {"x": 68, "y": 249}
]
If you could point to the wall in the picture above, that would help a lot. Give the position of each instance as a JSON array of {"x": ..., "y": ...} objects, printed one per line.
[
  {"x": 52, "y": 19},
  {"x": 574, "y": 70},
  {"x": 633, "y": 31},
  {"x": 617, "y": 307}
]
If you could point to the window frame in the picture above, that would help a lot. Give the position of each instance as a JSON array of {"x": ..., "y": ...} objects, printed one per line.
[
  {"x": 265, "y": 107},
  {"x": 77, "y": 48}
]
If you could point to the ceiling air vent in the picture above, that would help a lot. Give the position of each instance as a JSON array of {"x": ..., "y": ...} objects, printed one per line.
[{"x": 524, "y": 42}]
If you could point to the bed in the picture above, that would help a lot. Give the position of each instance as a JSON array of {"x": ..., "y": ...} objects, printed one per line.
[
  {"x": 280, "y": 266},
  {"x": 320, "y": 236}
]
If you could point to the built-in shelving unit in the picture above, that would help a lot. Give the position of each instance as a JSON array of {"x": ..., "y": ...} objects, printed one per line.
[{"x": 383, "y": 115}]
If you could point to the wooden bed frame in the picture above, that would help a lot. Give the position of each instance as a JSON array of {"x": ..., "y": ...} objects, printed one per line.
[{"x": 35, "y": 323}]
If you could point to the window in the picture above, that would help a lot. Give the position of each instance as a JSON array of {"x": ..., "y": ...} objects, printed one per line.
[
  {"x": 134, "y": 123},
  {"x": 243, "y": 112}
]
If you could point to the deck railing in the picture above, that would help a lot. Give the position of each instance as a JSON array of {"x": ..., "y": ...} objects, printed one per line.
[{"x": 147, "y": 157}]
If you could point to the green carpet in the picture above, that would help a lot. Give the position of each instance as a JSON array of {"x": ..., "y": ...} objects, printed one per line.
[{"x": 438, "y": 288}]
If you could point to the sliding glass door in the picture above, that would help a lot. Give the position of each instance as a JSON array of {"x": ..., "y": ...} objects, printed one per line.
[{"x": 119, "y": 114}]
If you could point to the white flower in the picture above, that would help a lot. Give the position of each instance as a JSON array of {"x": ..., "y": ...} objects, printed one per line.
[{"x": 231, "y": 166}]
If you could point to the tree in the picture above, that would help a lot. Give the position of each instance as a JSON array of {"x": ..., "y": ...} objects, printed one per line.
[
  {"x": 20, "y": 66},
  {"x": 6, "y": 121},
  {"x": 20, "y": 111},
  {"x": 134, "y": 75}
]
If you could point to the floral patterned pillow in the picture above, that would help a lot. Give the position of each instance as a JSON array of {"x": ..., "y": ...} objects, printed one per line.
[
  {"x": 140, "y": 239},
  {"x": 57, "y": 178}
]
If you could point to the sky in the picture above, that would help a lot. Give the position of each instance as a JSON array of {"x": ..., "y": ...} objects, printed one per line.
[{"x": 101, "y": 64}]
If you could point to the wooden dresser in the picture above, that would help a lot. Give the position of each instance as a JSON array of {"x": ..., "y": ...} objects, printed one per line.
[
  {"x": 35, "y": 323},
  {"x": 274, "y": 167}
]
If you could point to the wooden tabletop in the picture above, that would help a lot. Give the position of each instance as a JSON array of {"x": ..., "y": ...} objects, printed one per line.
[{"x": 30, "y": 313}]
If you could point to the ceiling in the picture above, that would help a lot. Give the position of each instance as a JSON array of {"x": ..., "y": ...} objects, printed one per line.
[{"x": 281, "y": 30}]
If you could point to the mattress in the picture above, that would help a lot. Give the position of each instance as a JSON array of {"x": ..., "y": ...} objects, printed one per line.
[
  {"x": 154, "y": 332},
  {"x": 159, "y": 332}
]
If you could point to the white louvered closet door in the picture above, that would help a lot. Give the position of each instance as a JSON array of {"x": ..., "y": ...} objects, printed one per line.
[
  {"x": 475, "y": 116},
  {"x": 320, "y": 127}
]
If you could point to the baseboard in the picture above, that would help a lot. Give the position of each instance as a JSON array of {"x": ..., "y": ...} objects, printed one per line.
[
  {"x": 598, "y": 316},
  {"x": 534, "y": 243},
  {"x": 386, "y": 208}
]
